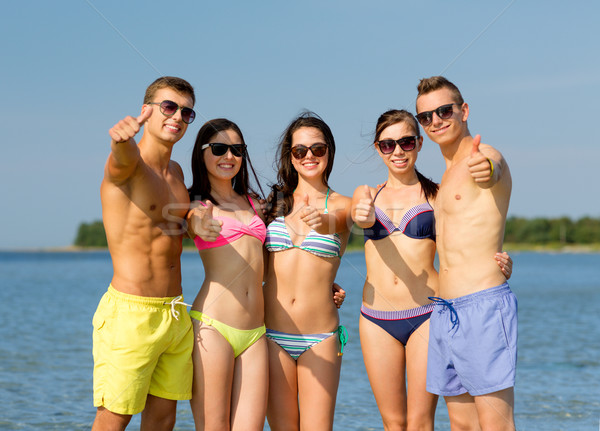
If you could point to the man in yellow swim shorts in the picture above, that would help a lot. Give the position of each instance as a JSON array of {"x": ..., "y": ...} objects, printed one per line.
[{"x": 143, "y": 335}]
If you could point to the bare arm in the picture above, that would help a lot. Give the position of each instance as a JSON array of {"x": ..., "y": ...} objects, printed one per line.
[
  {"x": 125, "y": 154},
  {"x": 363, "y": 208},
  {"x": 337, "y": 220},
  {"x": 486, "y": 164}
]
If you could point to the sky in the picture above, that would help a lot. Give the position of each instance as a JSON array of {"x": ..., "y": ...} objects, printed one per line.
[{"x": 530, "y": 72}]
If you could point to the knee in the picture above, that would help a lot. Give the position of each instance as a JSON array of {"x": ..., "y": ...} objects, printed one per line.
[{"x": 398, "y": 424}]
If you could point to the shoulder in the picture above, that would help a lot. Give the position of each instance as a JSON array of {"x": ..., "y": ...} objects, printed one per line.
[
  {"x": 337, "y": 200},
  {"x": 176, "y": 169}
]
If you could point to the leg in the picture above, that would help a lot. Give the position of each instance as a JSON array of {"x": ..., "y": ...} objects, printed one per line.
[
  {"x": 282, "y": 407},
  {"x": 496, "y": 410},
  {"x": 159, "y": 414},
  {"x": 250, "y": 385},
  {"x": 385, "y": 360},
  {"x": 213, "y": 376},
  {"x": 108, "y": 421},
  {"x": 463, "y": 413},
  {"x": 318, "y": 379},
  {"x": 421, "y": 404}
]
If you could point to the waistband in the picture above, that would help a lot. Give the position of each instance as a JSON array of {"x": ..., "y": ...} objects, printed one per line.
[
  {"x": 481, "y": 295},
  {"x": 149, "y": 301},
  {"x": 397, "y": 314}
]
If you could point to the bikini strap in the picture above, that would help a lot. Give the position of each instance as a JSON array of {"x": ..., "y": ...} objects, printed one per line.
[
  {"x": 326, "y": 199},
  {"x": 377, "y": 194},
  {"x": 252, "y": 204}
]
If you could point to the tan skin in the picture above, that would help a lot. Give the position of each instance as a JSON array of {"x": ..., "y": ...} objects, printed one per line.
[
  {"x": 297, "y": 294},
  {"x": 144, "y": 201},
  {"x": 400, "y": 276},
  {"x": 228, "y": 392},
  {"x": 470, "y": 213}
]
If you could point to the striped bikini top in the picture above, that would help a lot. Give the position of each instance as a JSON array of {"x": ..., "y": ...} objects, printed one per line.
[
  {"x": 278, "y": 239},
  {"x": 418, "y": 223}
]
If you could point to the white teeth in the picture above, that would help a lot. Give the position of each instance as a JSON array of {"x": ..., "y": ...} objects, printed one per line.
[{"x": 172, "y": 127}]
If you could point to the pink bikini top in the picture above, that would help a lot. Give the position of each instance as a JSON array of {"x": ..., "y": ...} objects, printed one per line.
[{"x": 233, "y": 229}]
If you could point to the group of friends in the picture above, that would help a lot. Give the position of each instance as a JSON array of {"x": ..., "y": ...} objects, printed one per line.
[{"x": 263, "y": 337}]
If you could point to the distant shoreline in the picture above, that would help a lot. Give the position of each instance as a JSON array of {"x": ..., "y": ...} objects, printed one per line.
[{"x": 510, "y": 247}]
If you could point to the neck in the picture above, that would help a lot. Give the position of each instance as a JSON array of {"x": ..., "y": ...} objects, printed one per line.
[
  {"x": 156, "y": 154},
  {"x": 312, "y": 187},
  {"x": 458, "y": 150},
  {"x": 397, "y": 181},
  {"x": 222, "y": 189}
]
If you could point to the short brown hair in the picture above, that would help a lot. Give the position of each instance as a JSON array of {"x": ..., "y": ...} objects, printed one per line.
[
  {"x": 177, "y": 84},
  {"x": 427, "y": 85}
]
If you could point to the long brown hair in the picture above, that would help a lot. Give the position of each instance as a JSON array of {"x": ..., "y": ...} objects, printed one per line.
[
  {"x": 281, "y": 199},
  {"x": 200, "y": 188},
  {"x": 396, "y": 116}
]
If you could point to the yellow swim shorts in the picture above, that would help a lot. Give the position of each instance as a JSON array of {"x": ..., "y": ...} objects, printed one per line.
[{"x": 140, "y": 348}]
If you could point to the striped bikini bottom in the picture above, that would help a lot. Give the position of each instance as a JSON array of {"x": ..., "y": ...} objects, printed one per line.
[{"x": 296, "y": 344}]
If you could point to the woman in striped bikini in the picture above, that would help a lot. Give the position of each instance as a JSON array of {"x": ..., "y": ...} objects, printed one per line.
[
  {"x": 307, "y": 231},
  {"x": 399, "y": 251}
]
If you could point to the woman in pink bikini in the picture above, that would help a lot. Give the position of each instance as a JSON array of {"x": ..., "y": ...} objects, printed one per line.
[{"x": 230, "y": 352}]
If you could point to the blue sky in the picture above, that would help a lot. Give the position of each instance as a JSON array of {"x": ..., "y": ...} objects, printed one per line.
[{"x": 530, "y": 72}]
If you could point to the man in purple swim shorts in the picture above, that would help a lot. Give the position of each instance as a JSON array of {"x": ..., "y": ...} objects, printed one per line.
[{"x": 473, "y": 330}]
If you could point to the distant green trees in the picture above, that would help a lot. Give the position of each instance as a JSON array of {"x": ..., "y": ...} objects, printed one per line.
[
  {"x": 518, "y": 230},
  {"x": 91, "y": 235}
]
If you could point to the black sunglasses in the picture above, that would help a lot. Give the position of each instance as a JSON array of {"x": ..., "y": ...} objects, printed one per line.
[
  {"x": 169, "y": 108},
  {"x": 219, "y": 149},
  {"x": 300, "y": 151},
  {"x": 387, "y": 146},
  {"x": 444, "y": 112}
]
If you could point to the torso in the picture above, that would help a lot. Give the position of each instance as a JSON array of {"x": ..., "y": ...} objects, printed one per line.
[
  {"x": 143, "y": 222},
  {"x": 233, "y": 265},
  {"x": 470, "y": 227},
  {"x": 301, "y": 271},
  {"x": 399, "y": 252}
]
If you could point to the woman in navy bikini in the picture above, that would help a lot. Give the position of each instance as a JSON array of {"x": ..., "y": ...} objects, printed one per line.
[
  {"x": 230, "y": 352},
  {"x": 306, "y": 236},
  {"x": 399, "y": 229}
]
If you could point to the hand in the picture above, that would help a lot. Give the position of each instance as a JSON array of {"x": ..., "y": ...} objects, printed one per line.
[
  {"x": 364, "y": 212},
  {"x": 339, "y": 295},
  {"x": 480, "y": 166},
  {"x": 128, "y": 127},
  {"x": 204, "y": 225},
  {"x": 310, "y": 215},
  {"x": 505, "y": 263}
]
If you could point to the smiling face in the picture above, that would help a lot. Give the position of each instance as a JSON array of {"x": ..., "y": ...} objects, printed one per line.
[
  {"x": 310, "y": 166},
  {"x": 161, "y": 127},
  {"x": 223, "y": 167},
  {"x": 400, "y": 161},
  {"x": 451, "y": 130}
]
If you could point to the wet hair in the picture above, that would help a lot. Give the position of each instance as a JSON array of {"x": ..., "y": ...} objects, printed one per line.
[
  {"x": 281, "y": 199},
  {"x": 396, "y": 116},
  {"x": 200, "y": 188},
  {"x": 177, "y": 84},
  {"x": 427, "y": 85}
]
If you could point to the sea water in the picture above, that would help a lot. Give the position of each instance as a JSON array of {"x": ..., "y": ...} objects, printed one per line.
[{"x": 47, "y": 301}]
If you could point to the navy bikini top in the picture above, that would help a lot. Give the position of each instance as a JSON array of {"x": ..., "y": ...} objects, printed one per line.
[{"x": 418, "y": 223}]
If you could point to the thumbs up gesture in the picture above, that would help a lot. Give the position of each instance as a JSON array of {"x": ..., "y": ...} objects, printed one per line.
[
  {"x": 310, "y": 215},
  {"x": 480, "y": 167},
  {"x": 203, "y": 224},
  {"x": 128, "y": 127},
  {"x": 364, "y": 210}
]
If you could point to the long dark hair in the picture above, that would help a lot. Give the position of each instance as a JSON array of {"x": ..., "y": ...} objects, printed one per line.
[
  {"x": 396, "y": 116},
  {"x": 281, "y": 199},
  {"x": 200, "y": 188}
]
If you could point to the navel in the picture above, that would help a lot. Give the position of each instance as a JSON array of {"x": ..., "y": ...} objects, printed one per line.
[{"x": 152, "y": 207}]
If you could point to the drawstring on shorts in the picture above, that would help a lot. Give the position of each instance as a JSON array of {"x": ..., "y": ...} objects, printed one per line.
[
  {"x": 453, "y": 314},
  {"x": 178, "y": 300}
]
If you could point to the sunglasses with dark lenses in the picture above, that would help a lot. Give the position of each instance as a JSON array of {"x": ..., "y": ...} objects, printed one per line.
[
  {"x": 387, "y": 146},
  {"x": 169, "y": 108},
  {"x": 300, "y": 151},
  {"x": 219, "y": 149},
  {"x": 444, "y": 112}
]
